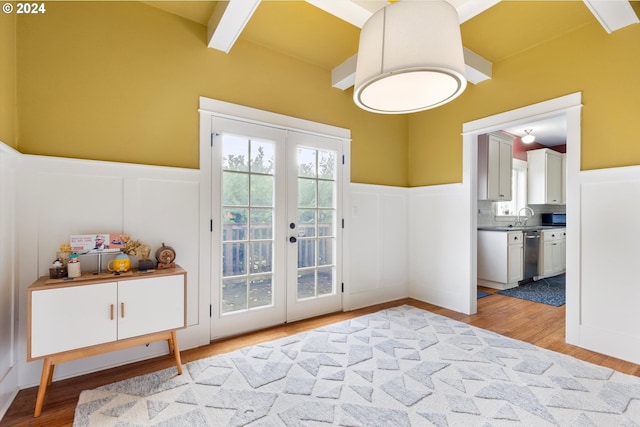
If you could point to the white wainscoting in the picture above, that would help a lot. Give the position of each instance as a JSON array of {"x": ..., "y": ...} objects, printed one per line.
[
  {"x": 402, "y": 242},
  {"x": 439, "y": 246},
  {"x": 60, "y": 197},
  {"x": 9, "y": 159},
  {"x": 409, "y": 242},
  {"x": 378, "y": 255},
  {"x": 610, "y": 252}
]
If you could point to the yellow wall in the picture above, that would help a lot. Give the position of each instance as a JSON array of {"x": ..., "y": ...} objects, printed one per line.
[
  {"x": 120, "y": 81},
  {"x": 8, "y": 79},
  {"x": 604, "y": 67}
]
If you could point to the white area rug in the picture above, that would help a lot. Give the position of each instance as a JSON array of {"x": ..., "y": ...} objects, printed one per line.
[{"x": 398, "y": 367}]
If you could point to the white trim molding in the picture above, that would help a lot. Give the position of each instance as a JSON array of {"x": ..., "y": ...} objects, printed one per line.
[{"x": 569, "y": 106}]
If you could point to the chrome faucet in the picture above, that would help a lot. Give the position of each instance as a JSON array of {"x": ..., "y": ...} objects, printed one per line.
[{"x": 524, "y": 222}]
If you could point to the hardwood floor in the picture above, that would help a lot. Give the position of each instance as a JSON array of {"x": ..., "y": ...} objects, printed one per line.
[{"x": 538, "y": 324}]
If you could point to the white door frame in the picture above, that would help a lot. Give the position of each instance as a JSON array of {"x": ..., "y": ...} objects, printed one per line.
[
  {"x": 569, "y": 106},
  {"x": 212, "y": 107}
]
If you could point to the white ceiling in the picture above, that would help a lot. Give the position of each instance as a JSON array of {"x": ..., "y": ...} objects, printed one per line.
[{"x": 548, "y": 132}]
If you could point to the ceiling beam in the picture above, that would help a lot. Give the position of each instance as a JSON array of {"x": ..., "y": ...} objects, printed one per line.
[
  {"x": 612, "y": 15},
  {"x": 344, "y": 75},
  {"x": 477, "y": 69},
  {"x": 356, "y": 12},
  {"x": 467, "y": 9},
  {"x": 227, "y": 22},
  {"x": 346, "y": 10}
]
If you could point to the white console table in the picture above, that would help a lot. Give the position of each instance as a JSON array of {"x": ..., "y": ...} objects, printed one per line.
[{"x": 93, "y": 314}]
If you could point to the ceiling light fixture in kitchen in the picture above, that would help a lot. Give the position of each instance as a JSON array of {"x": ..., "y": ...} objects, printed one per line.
[
  {"x": 410, "y": 58},
  {"x": 528, "y": 138}
]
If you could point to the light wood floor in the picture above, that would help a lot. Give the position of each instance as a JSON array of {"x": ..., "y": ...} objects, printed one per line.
[{"x": 538, "y": 324}]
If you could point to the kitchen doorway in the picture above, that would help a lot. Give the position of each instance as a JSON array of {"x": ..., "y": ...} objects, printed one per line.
[
  {"x": 568, "y": 106},
  {"x": 521, "y": 243}
]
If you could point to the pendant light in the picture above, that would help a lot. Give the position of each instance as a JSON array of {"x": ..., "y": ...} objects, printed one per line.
[
  {"x": 528, "y": 138},
  {"x": 410, "y": 58}
]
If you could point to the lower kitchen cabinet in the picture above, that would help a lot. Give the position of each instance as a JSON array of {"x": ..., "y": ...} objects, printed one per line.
[
  {"x": 68, "y": 320},
  {"x": 553, "y": 253},
  {"x": 500, "y": 258}
]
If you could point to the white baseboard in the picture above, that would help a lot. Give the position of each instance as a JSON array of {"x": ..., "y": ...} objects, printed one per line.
[
  {"x": 376, "y": 296},
  {"x": 8, "y": 390}
]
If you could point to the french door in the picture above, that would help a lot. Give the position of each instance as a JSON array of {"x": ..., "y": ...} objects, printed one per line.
[{"x": 276, "y": 228}]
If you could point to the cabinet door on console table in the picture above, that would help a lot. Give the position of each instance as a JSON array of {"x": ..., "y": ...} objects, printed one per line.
[
  {"x": 149, "y": 305},
  {"x": 69, "y": 318}
]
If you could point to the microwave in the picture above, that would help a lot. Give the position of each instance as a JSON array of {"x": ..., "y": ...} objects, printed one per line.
[{"x": 556, "y": 218}]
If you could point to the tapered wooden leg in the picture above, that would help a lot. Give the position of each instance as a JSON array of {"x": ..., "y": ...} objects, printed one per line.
[
  {"x": 51, "y": 374},
  {"x": 176, "y": 351},
  {"x": 47, "y": 373}
]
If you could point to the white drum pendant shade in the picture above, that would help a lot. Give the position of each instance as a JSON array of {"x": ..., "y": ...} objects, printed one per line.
[{"x": 410, "y": 58}]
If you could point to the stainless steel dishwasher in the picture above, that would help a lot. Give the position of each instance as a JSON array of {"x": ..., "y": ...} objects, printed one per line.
[{"x": 531, "y": 252}]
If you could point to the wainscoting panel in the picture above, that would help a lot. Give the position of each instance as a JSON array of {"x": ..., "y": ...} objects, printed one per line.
[
  {"x": 60, "y": 197},
  {"x": 378, "y": 258},
  {"x": 609, "y": 285},
  {"x": 439, "y": 246},
  {"x": 8, "y": 340},
  {"x": 176, "y": 227},
  {"x": 76, "y": 204}
]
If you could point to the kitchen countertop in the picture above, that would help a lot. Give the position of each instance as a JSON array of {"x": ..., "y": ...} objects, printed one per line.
[{"x": 517, "y": 227}]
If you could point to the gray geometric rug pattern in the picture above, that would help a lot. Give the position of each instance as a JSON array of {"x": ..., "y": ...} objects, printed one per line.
[{"x": 398, "y": 367}]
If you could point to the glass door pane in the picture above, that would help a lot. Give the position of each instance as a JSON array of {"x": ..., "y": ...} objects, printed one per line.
[
  {"x": 316, "y": 227},
  {"x": 247, "y": 222},
  {"x": 315, "y": 281}
]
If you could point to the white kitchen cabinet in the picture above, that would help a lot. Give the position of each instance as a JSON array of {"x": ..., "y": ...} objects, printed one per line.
[
  {"x": 93, "y": 314},
  {"x": 564, "y": 179},
  {"x": 552, "y": 259},
  {"x": 495, "y": 162},
  {"x": 500, "y": 258},
  {"x": 545, "y": 177}
]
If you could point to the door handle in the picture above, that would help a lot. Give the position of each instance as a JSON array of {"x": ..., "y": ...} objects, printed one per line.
[{"x": 292, "y": 239}]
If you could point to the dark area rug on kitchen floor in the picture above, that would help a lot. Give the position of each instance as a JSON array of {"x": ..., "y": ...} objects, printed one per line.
[
  {"x": 550, "y": 290},
  {"x": 482, "y": 294}
]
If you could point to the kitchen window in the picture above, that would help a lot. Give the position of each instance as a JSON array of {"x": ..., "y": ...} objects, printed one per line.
[{"x": 518, "y": 191}]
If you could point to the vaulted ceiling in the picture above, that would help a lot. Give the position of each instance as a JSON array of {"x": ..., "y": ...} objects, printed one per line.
[
  {"x": 309, "y": 33},
  {"x": 317, "y": 31}
]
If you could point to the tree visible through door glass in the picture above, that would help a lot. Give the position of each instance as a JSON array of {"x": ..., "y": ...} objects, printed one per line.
[
  {"x": 247, "y": 223},
  {"x": 316, "y": 222}
]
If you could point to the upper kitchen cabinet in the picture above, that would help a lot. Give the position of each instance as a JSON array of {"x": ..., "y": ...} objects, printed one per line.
[
  {"x": 545, "y": 177},
  {"x": 495, "y": 161}
]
